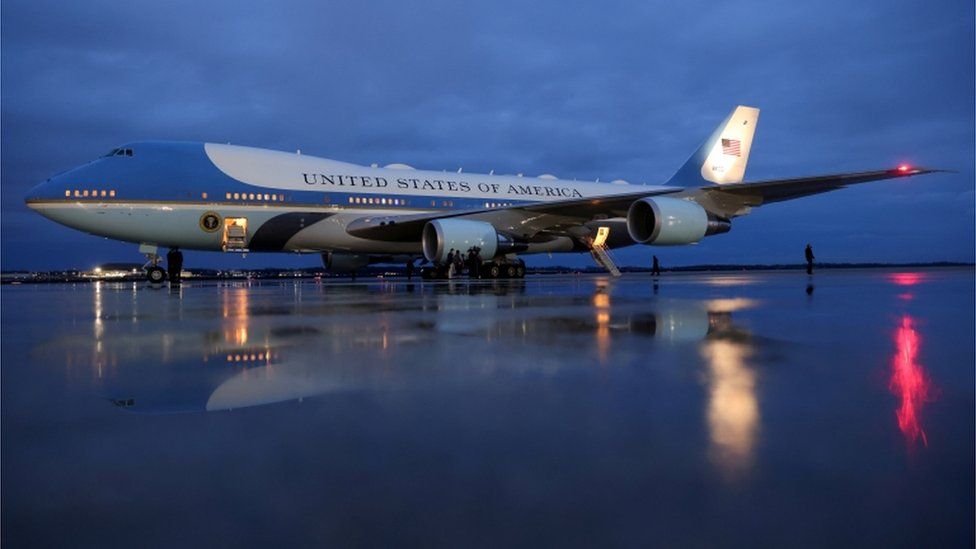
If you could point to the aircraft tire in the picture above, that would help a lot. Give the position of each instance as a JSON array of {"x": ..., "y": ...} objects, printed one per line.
[
  {"x": 156, "y": 275},
  {"x": 511, "y": 271},
  {"x": 520, "y": 271},
  {"x": 494, "y": 271}
]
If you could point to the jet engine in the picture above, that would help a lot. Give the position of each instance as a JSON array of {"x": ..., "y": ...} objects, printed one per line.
[
  {"x": 671, "y": 221},
  {"x": 440, "y": 235}
]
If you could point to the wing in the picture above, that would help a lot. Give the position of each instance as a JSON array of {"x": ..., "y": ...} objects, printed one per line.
[
  {"x": 523, "y": 220},
  {"x": 726, "y": 200},
  {"x": 735, "y": 199}
]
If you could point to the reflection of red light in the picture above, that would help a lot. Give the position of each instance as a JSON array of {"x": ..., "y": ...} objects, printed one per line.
[
  {"x": 905, "y": 279},
  {"x": 909, "y": 382}
]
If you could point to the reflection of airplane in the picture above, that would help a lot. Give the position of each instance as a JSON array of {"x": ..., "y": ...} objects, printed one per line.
[
  {"x": 249, "y": 364},
  {"x": 223, "y": 197}
]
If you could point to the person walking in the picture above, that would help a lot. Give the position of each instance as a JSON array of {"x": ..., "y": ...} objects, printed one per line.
[
  {"x": 174, "y": 264},
  {"x": 809, "y": 255},
  {"x": 655, "y": 267}
]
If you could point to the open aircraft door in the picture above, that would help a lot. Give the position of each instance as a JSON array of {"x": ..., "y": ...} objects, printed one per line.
[{"x": 235, "y": 234}]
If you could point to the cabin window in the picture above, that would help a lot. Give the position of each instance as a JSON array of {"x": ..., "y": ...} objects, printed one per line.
[
  {"x": 203, "y": 195},
  {"x": 111, "y": 193}
]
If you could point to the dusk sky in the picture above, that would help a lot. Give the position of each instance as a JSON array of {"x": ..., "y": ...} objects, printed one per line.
[{"x": 604, "y": 90}]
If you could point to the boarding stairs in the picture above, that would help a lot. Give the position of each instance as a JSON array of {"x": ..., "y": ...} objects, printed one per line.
[{"x": 601, "y": 254}]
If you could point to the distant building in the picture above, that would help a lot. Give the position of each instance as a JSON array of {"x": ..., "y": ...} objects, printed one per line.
[{"x": 109, "y": 271}]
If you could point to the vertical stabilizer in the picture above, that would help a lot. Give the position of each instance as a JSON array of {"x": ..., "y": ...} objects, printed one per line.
[{"x": 723, "y": 157}]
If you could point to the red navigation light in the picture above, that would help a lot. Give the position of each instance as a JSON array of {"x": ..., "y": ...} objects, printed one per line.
[{"x": 903, "y": 168}]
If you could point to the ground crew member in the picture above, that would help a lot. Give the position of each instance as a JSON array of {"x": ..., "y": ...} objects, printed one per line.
[
  {"x": 809, "y": 254},
  {"x": 655, "y": 267},
  {"x": 174, "y": 264}
]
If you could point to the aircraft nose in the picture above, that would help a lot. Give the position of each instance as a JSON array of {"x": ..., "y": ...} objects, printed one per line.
[
  {"x": 46, "y": 190},
  {"x": 36, "y": 192}
]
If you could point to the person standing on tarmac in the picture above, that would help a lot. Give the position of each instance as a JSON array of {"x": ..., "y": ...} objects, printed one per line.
[
  {"x": 655, "y": 267},
  {"x": 809, "y": 255},
  {"x": 469, "y": 261},
  {"x": 458, "y": 263},
  {"x": 476, "y": 263},
  {"x": 450, "y": 263},
  {"x": 174, "y": 264}
]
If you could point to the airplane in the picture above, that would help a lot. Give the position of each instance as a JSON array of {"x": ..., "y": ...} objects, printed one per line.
[{"x": 221, "y": 197}]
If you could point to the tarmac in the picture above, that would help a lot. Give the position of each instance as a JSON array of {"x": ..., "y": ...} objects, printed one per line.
[{"x": 724, "y": 409}]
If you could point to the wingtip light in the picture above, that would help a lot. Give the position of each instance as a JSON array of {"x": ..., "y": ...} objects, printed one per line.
[{"x": 904, "y": 168}]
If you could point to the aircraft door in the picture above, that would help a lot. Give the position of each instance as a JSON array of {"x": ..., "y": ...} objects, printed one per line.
[{"x": 235, "y": 234}]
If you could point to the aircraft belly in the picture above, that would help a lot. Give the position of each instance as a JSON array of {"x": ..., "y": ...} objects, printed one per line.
[{"x": 330, "y": 235}]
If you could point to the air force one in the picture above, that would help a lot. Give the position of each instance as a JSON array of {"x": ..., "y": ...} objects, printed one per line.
[{"x": 208, "y": 196}]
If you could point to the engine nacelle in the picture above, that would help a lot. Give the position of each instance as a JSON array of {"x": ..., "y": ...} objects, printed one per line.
[
  {"x": 671, "y": 222},
  {"x": 338, "y": 262},
  {"x": 440, "y": 235}
]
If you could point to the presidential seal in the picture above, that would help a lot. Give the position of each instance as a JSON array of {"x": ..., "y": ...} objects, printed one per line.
[{"x": 210, "y": 222}]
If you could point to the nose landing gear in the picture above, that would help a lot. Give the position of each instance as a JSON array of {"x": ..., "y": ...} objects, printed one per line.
[{"x": 154, "y": 273}]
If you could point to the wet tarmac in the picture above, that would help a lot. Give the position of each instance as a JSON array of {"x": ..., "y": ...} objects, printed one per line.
[{"x": 693, "y": 409}]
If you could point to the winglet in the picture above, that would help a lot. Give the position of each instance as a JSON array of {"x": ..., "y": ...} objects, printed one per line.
[{"x": 722, "y": 158}]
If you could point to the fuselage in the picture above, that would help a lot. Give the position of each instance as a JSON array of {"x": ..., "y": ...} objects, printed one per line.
[{"x": 189, "y": 194}]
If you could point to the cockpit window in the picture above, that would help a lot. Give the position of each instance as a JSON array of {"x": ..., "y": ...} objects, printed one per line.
[{"x": 119, "y": 152}]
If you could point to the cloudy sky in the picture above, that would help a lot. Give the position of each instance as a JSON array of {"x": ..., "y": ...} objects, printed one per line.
[{"x": 606, "y": 90}]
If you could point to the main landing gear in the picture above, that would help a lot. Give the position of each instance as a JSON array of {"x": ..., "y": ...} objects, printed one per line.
[
  {"x": 154, "y": 273},
  {"x": 501, "y": 268}
]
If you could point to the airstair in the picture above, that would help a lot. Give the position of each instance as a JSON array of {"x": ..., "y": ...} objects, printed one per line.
[{"x": 600, "y": 252}]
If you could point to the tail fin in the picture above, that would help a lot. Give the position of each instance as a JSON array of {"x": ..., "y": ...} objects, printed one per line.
[{"x": 723, "y": 157}]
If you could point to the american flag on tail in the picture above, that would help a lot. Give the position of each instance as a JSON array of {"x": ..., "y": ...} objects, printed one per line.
[{"x": 731, "y": 147}]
